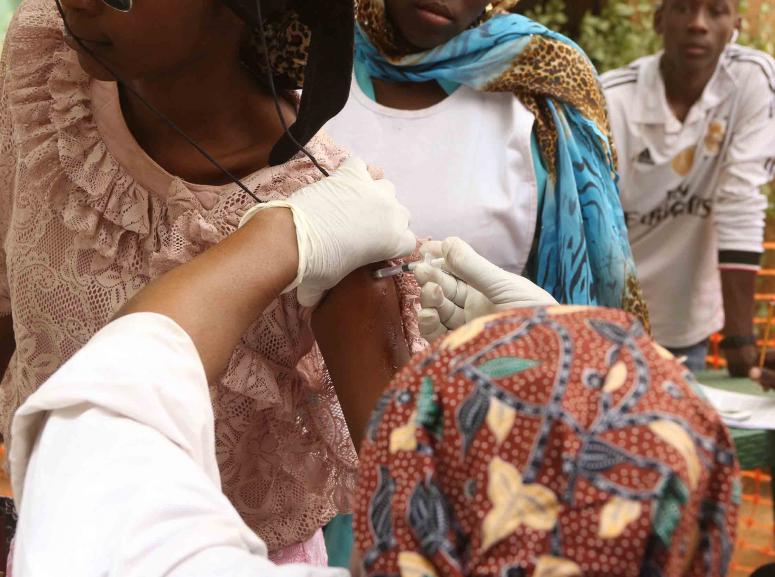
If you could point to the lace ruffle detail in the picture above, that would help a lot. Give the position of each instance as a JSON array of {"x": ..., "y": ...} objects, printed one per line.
[{"x": 86, "y": 234}]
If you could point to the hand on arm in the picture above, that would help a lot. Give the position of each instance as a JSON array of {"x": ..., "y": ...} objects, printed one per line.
[
  {"x": 318, "y": 236},
  {"x": 469, "y": 287}
]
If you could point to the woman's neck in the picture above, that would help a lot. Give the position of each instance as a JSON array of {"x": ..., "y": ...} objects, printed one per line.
[
  {"x": 220, "y": 106},
  {"x": 408, "y": 95}
]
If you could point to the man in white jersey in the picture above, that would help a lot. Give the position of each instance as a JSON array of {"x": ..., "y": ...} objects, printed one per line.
[{"x": 695, "y": 130}]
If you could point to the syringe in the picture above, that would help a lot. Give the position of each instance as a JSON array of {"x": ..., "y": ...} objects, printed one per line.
[{"x": 390, "y": 271}]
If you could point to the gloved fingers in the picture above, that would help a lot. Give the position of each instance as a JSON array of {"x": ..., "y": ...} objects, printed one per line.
[
  {"x": 451, "y": 315},
  {"x": 515, "y": 289},
  {"x": 386, "y": 188},
  {"x": 432, "y": 247},
  {"x": 425, "y": 273},
  {"x": 407, "y": 244},
  {"x": 465, "y": 263},
  {"x": 431, "y": 296},
  {"x": 353, "y": 167},
  {"x": 454, "y": 289},
  {"x": 430, "y": 325}
]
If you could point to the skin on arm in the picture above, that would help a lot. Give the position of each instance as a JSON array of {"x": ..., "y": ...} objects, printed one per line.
[
  {"x": 738, "y": 287},
  {"x": 360, "y": 333},
  {"x": 216, "y": 297},
  {"x": 7, "y": 342}
]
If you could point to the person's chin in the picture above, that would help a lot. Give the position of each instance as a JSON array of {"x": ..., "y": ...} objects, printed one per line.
[
  {"x": 93, "y": 68},
  {"x": 427, "y": 38}
]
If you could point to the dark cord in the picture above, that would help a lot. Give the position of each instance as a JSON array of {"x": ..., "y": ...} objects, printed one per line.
[
  {"x": 179, "y": 130},
  {"x": 273, "y": 90}
]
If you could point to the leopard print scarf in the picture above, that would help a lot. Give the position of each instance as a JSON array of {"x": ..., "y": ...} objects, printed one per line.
[{"x": 547, "y": 68}]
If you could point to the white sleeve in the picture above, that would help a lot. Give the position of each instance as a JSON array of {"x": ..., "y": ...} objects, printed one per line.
[
  {"x": 113, "y": 465},
  {"x": 740, "y": 205}
]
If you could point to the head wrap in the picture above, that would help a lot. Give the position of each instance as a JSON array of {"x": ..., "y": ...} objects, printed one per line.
[
  {"x": 546, "y": 442},
  {"x": 310, "y": 44},
  {"x": 583, "y": 256}
]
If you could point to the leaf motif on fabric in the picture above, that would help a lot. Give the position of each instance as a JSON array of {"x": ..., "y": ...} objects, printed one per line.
[
  {"x": 668, "y": 511},
  {"x": 599, "y": 457},
  {"x": 404, "y": 438},
  {"x": 662, "y": 351},
  {"x": 676, "y": 436},
  {"x": 540, "y": 507},
  {"x": 429, "y": 413},
  {"x": 464, "y": 334},
  {"x": 412, "y": 564},
  {"x": 515, "y": 504},
  {"x": 616, "y": 377},
  {"x": 548, "y": 566},
  {"x": 380, "y": 517},
  {"x": 503, "y": 486},
  {"x": 609, "y": 331},
  {"x": 506, "y": 366},
  {"x": 617, "y": 513},
  {"x": 376, "y": 415},
  {"x": 429, "y": 517},
  {"x": 500, "y": 419},
  {"x": 471, "y": 415}
]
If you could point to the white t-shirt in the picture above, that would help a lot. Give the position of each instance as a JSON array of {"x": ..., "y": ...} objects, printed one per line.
[
  {"x": 114, "y": 472},
  {"x": 691, "y": 192},
  {"x": 463, "y": 167}
]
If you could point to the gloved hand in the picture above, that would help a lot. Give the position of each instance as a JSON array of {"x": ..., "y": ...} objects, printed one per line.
[
  {"x": 343, "y": 222},
  {"x": 477, "y": 288}
]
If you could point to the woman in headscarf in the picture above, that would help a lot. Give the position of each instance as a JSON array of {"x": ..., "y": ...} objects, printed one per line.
[
  {"x": 546, "y": 442},
  {"x": 494, "y": 129}
]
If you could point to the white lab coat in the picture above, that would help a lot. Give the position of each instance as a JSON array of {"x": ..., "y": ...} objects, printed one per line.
[{"x": 114, "y": 472}]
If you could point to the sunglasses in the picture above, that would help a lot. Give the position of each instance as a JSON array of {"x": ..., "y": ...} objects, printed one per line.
[{"x": 120, "y": 5}]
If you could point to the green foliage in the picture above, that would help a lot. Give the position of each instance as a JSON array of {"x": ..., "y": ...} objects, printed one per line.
[
  {"x": 551, "y": 14},
  {"x": 760, "y": 35},
  {"x": 624, "y": 30}
]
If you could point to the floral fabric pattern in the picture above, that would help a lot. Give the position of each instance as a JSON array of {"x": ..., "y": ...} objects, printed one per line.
[{"x": 546, "y": 442}]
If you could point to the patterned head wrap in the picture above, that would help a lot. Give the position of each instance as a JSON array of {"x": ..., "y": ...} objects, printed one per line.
[
  {"x": 582, "y": 256},
  {"x": 310, "y": 44},
  {"x": 547, "y": 442}
]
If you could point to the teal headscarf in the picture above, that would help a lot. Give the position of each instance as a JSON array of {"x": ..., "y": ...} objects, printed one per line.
[{"x": 582, "y": 254}]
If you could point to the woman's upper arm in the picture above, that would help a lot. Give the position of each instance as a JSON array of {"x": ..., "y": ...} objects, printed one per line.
[
  {"x": 360, "y": 331},
  {"x": 7, "y": 178}
]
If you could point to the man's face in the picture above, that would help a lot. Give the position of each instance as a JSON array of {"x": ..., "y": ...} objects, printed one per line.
[{"x": 695, "y": 32}]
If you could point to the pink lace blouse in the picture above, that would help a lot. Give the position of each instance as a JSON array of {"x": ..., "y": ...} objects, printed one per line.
[{"x": 87, "y": 219}]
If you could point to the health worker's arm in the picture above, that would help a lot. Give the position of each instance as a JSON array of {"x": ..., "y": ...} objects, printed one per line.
[
  {"x": 113, "y": 461},
  {"x": 740, "y": 215},
  {"x": 359, "y": 330}
]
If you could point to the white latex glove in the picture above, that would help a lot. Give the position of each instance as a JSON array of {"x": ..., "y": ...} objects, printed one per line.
[
  {"x": 343, "y": 222},
  {"x": 472, "y": 287}
]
